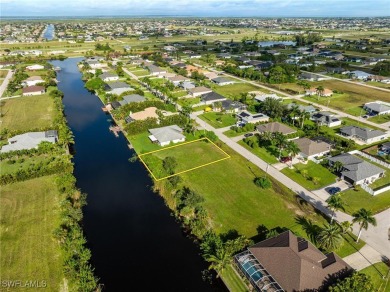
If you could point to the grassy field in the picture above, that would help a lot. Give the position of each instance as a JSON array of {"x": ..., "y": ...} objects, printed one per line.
[
  {"x": 233, "y": 281},
  {"x": 313, "y": 170},
  {"x": 29, "y": 215},
  {"x": 380, "y": 119},
  {"x": 3, "y": 73},
  {"x": 234, "y": 89},
  {"x": 12, "y": 166},
  {"x": 265, "y": 154},
  {"x": 202, "y": 152},
  {"x": 354, "y": 200},
  {"x": 212, "y": 119},
  {"x": 27, "y": 113},
  {"x": 188, "y": 101},
  {"x": 375, "y": 271}
]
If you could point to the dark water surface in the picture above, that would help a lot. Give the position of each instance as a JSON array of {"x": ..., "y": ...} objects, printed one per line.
[
  {"x": 136, "y": 244},
  {"x": 49, "y": 32}
]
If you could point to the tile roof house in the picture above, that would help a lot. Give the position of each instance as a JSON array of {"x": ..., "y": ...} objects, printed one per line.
[
  {"x": 33, "y": 90},
  {"x": 177, "y": 79},
  {"x": 275, "y": 127},
  {"x": 290, "y": 263},
  {"x": 29, "y": 140},
  {"x": 33, "y": 80},
  {"x": 310, "y": 148},
  {"x": 364, "y": 135},
  {"x": 211, "y": 97},
  {"x": 356, "y": 170},
  {"x": 326, "y": 119},
  {"x": 166, "y": 135},
  {"x": 247, "y": 117},
  {"x": 106, "y": 76},
  {"x": 149, "y": 112},
  {"x": 197, "y": 91},
  {"x": 155, "y": 70},
  {"x": 376, "y": 108},
  {"x": 35, "y": 67},
  {"x": 313, "y": 91}
]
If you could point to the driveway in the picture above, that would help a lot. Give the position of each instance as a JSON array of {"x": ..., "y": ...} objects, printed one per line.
[
  {"x": 363, "y": 258},
  {"x": 323, "y": 194}
]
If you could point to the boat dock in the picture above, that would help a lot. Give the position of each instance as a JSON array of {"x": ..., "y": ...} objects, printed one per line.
[{"x": 115, "y": 130}]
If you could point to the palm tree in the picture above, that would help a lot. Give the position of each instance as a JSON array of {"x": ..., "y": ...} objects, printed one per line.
[
  {"x": 330, "y": 237},
  {"x": 293, "y": 150},
  {"x": 280, "y": 142},
  {"x": 363, "y": 217},
  {"x": 337, "y": 166},
  {"x": 294, "y": 111},
  {"x": 345, "y": 227},
  {"x": 304, "y": 84},
  {"x": 335, "y": 203},
  {"x": 304, "y": 116},
  {"x": 320, "y": 91},
  {"x": 219, "y": 261}
]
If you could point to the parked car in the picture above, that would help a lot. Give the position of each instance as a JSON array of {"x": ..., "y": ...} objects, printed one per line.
[
  {"x": 285, "y": 159},
  {"x": 333, "y": 190},
  {"x": 248, "y": 135}
]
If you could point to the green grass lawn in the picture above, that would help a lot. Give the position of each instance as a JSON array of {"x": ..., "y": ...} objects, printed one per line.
[
  {"x": 262, "y": 152},
  {"x": 233, "y": 281},
  {"x": 380, "y": 119},
  {"x": 349, "y": 245},
  {"x": 188, "y": 101},
  {"x": 378, "y": 84},
  {"x": 235, "y": 89},
  {"x": 3, "y": 73},
  {"x": 141, "y": 72},
  {"x": 354, "y": 200},
  {"x": 29, "y": 215},
  {"x": 225, "y": 119},
  {"x": 28, "y": 113},
  {"x": 202, "y": 152},
  {"x": 232, "y": 133},
  {"x": 13, "y": 165},
  {"x": 179, "y": 93},
  {"x": 375, "y": 272},
  {"x": 313, "y": 170}
]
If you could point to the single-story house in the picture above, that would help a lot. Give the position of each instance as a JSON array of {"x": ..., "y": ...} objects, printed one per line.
[
  {"x": 106, "y": 76},
  {"x": 155, "y": 70},
  {"x": 117, "y": 87},
  {"x": 231, "y": 106},
  {"x": 197, "y": 91},
  {"x": 211, "y": 97},
  {"x": 177, "y": 79},
  {"x": 210, "y": 75},
  {"x": 311, "y": 76},
  {"x": 247, "y": 117},
  {"x": 313, "y": 91},
  {"x": 127, "y": 99},
  {"x": 363, "y": 134},
  {"x": 290, "y": 263},
  {"x": 325, "y": 119},
  {"x": 166, "y": 135},
  {"x": 379, "y": 78},
  {"x": 262, "y": 97},
  {"x": 33, "y": 90},
  {"x": 194, "y": 56},
  {"x": 303, "y": 108},
  {"x": 275, "y": 127},
  {"x": 357, "y": 74},
  {"x": 95, "y": 64},
  {"x": 310, "y": 148},
  {"x": 221, "y": 81},
  {"x": 356, "y": 170},
  {"x": 376, "y": 108},
  {"x": 35, "y": 67},
  {"x": 29, "y": 140},
  {"x": 149, "y": 112},
  {"x": 186, "y": 85},
  {"x": 33, "y": 80},
  {"x": 385, "y": 147}
]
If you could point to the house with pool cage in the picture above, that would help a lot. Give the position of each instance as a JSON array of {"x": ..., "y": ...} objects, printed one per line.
[{"x": 289, "y": 263}]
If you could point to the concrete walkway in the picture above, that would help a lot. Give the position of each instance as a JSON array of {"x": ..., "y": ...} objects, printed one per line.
[
  {"x": 6, "y": 80},
  {"x": 363, "y": 258}
]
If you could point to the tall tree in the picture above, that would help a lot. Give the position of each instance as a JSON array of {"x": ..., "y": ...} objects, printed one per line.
[
  {"x": 363, "y": 217},
  {"x": 320, "y": 91},
  {"x": 335, "y": 203},
  {"x": 280, "y": 141},
  {"x": 292, "y": 149}
]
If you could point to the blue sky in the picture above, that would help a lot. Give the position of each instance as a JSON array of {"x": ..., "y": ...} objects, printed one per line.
[{"x": 260, "y": 8}]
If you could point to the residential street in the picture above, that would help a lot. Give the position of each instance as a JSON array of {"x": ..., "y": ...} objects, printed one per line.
[
  {"x": 6, "y": 80},
  {"x": 376, "y": 237}
]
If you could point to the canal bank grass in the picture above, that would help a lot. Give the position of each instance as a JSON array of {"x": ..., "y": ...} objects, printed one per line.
[
  {"x": 28, "y": 113},
  {"x": 189, "y": 156},
  {"x": 30, "y": 213}
]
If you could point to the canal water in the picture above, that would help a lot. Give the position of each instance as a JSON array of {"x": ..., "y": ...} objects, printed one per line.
[
  {"x": 136, "y": 244},
  {"x": 49, "y": 32}
]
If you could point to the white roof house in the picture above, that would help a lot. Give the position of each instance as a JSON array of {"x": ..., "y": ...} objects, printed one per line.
[
  {"x": 33, "y": 80},
  {"x": 29, "y": 140},
  {"x": 166, "y": 135},
  {"x": 35, "y": 67}
]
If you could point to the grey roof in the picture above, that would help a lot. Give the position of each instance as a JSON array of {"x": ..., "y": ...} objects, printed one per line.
[
  {"x": 167, "y": 134},
  {"x": 221, "y": 80},
  {"x": 325, "y": 117},
  {"x": 308, "y": 108},
  {"x": 199, "y": 89},
  {"x": 275, "y": 127},
  {"x": 212, "y": 96},
  {"x": 107, "y": 75},
  {"x": 230, "y": 104},
  {"x": 29, "y": 140},
  {"x": 245, "y": 115},
  {"x": 155, "y": 69},
  {"x": 356, "y": 168},
  {"x": 133, "y": 98},
  {"x": 363, "y": 133},
  {"x": 377, "y": 107},
  {"x": 116, "y": 85}
]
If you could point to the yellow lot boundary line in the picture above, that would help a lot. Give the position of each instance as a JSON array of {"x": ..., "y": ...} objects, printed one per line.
[{"x": 184, "y": 171}]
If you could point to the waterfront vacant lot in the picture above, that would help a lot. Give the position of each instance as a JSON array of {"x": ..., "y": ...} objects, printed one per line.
[
  {"x": 187, "y": 156},
  {"x": 28, "y": 113},
  {"x": 29, "y": 215}
]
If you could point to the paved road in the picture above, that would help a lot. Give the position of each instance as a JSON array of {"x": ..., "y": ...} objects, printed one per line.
[
  {"x": 376, "y": 237},
  {"x": 349, "y": 81},
  {"x": 6, "y": 80},
  {"x": 364, "y": 258}
]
